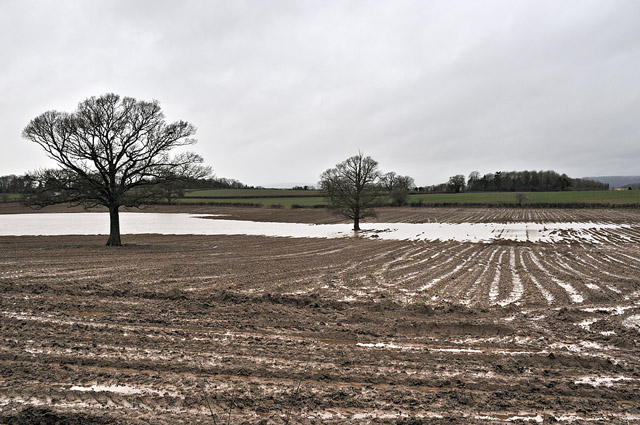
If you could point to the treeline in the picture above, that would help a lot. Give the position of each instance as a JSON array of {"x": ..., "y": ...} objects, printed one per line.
[
  {"x": 26, "y": 183},
  {"x": 215, "y": 183},
  {"x": 529, "y": 181},
  {"x": 501, "y": 181},
  {"x": 15, "y": 184},
  {"x": 515, "y": 181}
]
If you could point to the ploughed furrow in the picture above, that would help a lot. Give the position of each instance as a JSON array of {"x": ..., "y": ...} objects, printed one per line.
[
  {"x": 168, "y": 368},
  {"x": 599, "y": 236},
  {"x": 626, "y": 262},
  {"x": 498, "y": 280},
  {"x": 515, "y": 287},
  {"x": 433, "y": 260},
  {"x": 599, "y": 266},
  {"x": 395, "y": 262},
  {"x": 495, "y": 281},
  {"x": 239, "y": 329},
  {"x": 502, "y": 283},
  {"x": 403, "y": 274},
  {"x": 573, "y": 294},
  {"x": 582, "y": 282},
  {"x": 626, "y": 259},
  {"x": 593, "y": 277},
  {"x": 170, "y": 371},
  {"x": 311, "y": 252},
  {"x": 537, "y": 274},
  {"x": 448, "y": 269},
  {"x": 631, "y": 234},
  {"x": 49, "y": 271},
  {"x": 540, "y": 289},
  {"x": 457, "y": 290},
  {"x": 474, "y": 292},
  {"x": 598, "y": 288},
  {"x": 425, "y": 253},
  {"x": 330, "y": 276},
  {"x": 367, "y": 276}
]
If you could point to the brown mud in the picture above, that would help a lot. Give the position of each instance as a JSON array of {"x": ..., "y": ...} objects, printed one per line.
[
  {"x": 203, "y": 329},
  {"x": 383, "y": 215}
]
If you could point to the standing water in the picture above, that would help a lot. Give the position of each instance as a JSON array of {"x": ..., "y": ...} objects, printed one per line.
[{"x": 190, "y": 224}]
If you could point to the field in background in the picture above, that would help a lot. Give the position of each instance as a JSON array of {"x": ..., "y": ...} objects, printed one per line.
[
  {"x": 306, "y": 202},
  {"x": 288, "y": 198},
  {"x": 310, "y": 198},
  {"x": 614, "y": 197},
  {"x": 250, "y": 193}
]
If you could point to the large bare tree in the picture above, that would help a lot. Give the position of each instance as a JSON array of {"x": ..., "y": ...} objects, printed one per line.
[
  {"x": 352, "y": 187},
  {"x": 112, "y": 151}
]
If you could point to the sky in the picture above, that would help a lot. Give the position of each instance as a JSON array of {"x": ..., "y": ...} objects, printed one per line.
[{"x": 282, "y": 90}]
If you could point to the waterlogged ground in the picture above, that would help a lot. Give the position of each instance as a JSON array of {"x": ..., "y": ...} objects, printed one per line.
[
  {"x": 57, "y": 224},
  {"x": 200, "y": 329}
]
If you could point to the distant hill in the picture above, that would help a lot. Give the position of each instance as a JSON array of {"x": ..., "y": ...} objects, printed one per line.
[{"x": 616, "y": 181}]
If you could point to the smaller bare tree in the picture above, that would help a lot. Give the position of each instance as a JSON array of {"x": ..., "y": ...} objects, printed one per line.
[
  {"x": 352, "y": 187},
  {"x": 520, "y": 198},
  {"x": 456, "y": 183},
  {"x": 391, "y": 181},
  {"x": 398, "y": 187}
]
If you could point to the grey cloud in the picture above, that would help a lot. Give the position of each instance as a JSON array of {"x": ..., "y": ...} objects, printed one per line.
[{"x": 282, "y": 90}]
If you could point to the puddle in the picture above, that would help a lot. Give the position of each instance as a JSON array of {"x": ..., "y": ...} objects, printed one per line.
[
  {"x": 124, "y": 389},
  {"x": 586, "y": 324},
  {"x": 537, "y": 419},
  {"x": 388, "y": 345},
  {"x": 120, "y": 389},
  {"x": 393, "y": 346},
  {"x": 617, "y": 310},
  {"x": 632, "y": 322},
  {"x": 354, "y": 415},
  {"x": 457, "y": 350},
  {"x": 190, "y": 224},
  {"x": 596, "y": 381}
]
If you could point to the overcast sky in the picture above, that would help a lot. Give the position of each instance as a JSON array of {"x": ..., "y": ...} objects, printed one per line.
[{"x": 282, "y": 90}]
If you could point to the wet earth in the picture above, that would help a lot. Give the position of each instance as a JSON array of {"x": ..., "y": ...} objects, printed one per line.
[{"x": 251, "y": 329}]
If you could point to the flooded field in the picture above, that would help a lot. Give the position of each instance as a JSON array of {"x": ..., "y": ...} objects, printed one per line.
[
  {"x": 259, "y": 329},
  {"x": 57, "y": 224}
]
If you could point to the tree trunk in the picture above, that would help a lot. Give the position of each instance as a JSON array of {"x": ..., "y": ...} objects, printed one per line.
[
  {"x": 114, "y": 219},
  {"x": 356, "y": 224}
]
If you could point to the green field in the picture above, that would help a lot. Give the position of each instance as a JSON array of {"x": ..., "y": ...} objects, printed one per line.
[
  {"x": 249, "y": 193},
  {"x": 10, "y": 197},
  {"x": 308, "y": 198},
  {"x": 615, "y": 197},
  {"x": 308, "y": 201}
]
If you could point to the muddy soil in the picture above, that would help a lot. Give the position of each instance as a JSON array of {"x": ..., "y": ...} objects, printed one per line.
[
  {"x": 202, "y": 330},
  {"x": 383, "y": 215}
]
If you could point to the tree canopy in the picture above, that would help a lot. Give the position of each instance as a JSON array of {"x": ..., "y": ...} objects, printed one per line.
[{"x": 112, "y": 151}]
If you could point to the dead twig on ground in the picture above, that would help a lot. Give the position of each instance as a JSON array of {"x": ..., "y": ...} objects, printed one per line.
[
  {"x": 206, "y": 399},
  {"x": 233, "y": 399},
  {"x": 295, "y": 392}
]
